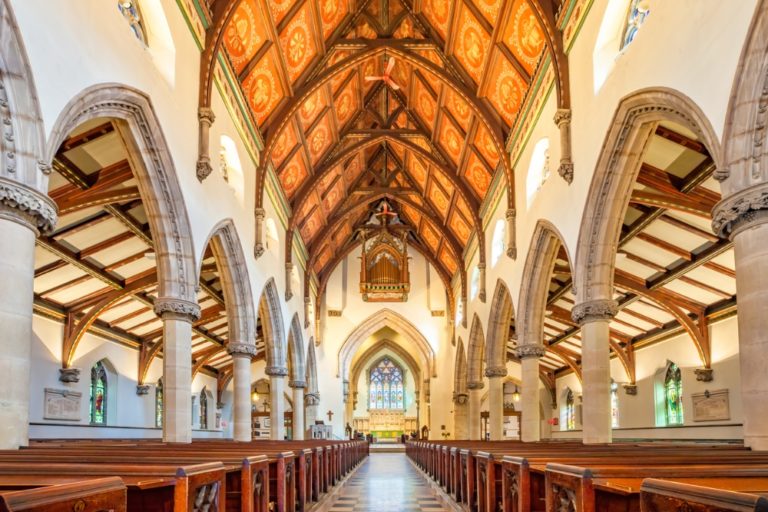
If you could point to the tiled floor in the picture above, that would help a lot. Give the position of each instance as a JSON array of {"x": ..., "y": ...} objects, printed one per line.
[{"x": 386, "y": 482}]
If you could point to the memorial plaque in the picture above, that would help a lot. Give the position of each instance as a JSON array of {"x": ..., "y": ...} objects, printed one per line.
[
  {"x": 711, "y": 406},
  {"x": 61, "y": 404}
]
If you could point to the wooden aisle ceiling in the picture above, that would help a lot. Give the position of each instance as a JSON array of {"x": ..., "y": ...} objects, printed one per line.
[
  {"x": 97, "y": 272},
  {"x": 673, "y": 275},
  {"x": 428, "y": 139}
]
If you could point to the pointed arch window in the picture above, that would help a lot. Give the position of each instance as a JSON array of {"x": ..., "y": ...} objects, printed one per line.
[
  {"x": 636, "y": 16},
  {"x": 98, "y": 394},
  {"x": 614, "y": 405},
  {"x": 673, "y": 395},
  {"x": 130, "y": 11},
  {"x": 159, "y": 403},
  {"x": 203, "y": 410},
  {"x": 570, "y": 411},
  {"x": 386, "y": 387}
]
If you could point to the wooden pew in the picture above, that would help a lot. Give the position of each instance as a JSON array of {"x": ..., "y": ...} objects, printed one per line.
[
  {"x": 150, "y": 488},
  {"x": 100, "y": 494},
  {"x": 665, "y": 496}
]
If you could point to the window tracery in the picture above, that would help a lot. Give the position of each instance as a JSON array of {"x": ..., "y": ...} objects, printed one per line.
[
  {"x": 614, "y": 405},
  {"x": 159, "y": 403},
  {"x": 203, "y": 410},
  {"x": 386, "y": 387},
  {"x": 636, "y": 16},
  {"x": 570, "y": 411}
]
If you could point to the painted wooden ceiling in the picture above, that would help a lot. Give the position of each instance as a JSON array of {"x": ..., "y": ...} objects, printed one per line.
[{"x": 428, "y": 138}]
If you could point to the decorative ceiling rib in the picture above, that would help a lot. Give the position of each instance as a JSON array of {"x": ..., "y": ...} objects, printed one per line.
[{"x": 363, "y": 100}]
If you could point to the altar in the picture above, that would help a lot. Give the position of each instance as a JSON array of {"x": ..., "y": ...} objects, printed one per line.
[{"x": 386, "y": 424}]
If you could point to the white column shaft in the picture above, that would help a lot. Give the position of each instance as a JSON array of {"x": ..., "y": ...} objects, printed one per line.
[
  {"x": 596, "y": 376},
  {"x": 475, "y": 402},
  {"x": 496, "y": 407},
  {"x": 277, "y": 407},
  {"x": 177, "y": 379},
  {"x": 751, "y": 254},
  {"x": 242, "y": 397},
  {"x": 531, "y": 416},
  {"x": 298, "y": 414},
  {"x": 17, "y": 272}
]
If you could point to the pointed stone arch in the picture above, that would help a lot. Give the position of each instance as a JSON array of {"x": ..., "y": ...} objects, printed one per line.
[
  {"x": 539, "y": 265},
  {"x": 154, "y": 170},
  {"x": 475, "y": 351},
  {"x": 296, "y": 351},
  {"x": 501, "y": 315},
  {"x": 272, "y": 327},
  {"x": 22, "y": 146},
  {"x": 385, "y": 318},
  {"x": 619, "y": 162},
  {"x": 235, "y": 282}
]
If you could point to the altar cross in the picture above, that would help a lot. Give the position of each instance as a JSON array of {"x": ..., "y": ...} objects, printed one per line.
[{"x": 330, "y": 415}]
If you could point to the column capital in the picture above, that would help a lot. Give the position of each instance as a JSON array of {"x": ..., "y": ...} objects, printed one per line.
[
  {"x": 239, "y": 349},
  {"x": 312, "y": 398},
  {"x": 178, "y": 308},
  {"x": 27, "y": 206},
  {"x": 530, "y": 351},
  {"x": 206, "y": 115},
  {"x": 562, "y": 115},
  {"x": 496, "y": 371},
  {"x": 276, "y": 371},
  {"x": 460, "y": 398},
  {"x": 594, "y": 310},
  {"x": 475, "y": 385},
  {"x": 741, "y": 211},
  {"x": 297, "y": 384}
]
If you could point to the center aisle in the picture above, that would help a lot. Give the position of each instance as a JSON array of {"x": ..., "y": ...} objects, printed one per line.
[{"x": 386, "y": 482}]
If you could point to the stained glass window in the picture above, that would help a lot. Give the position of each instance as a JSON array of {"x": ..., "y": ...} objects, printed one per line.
[
  {"x": 614, "y": 405},
  {"x": 570, "y": 411},
  {"x": 638, "y": 12},
  {"x": 98, "y": 394},
  {"x": 132, "y": 15},
  {"x": 386, "y": 387},
  {"x": 673, "y": 395},
  {"x": 159, "y": 403},
  {"x": 203, "y": 410}
]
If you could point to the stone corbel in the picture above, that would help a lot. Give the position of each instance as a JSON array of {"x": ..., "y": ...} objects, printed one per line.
[
  {"x": 206, "y": 118},
  {"x": 563, "y": 122},
  {"x": 460, "y": 398},
  {"x": 69, "y": 375},
  {"x": 311, "y": 399},
  {"x": 258, "y": 249},
  {"x": 511, "y": 231},
  {"x": 298, "y": 384},
  {"x": 630, "y": 389},
  {"x": 704, "y": 374},
  {"x": 142, "y": 389},
  {"x": 481, "y": 293}
]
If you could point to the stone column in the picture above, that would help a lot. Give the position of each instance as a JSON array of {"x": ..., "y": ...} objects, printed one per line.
[
  {"x": 481, "y": 292},
  {"x": 23, "y": 211},
  {"x": 510, "y": 235},
  {"x": 594, "y": 318},
  {"x": 496, "y": 401},
  {"x": 312, "y": 402},
  {"x": 475, "y": 403},
  {"x": 178, "y": 316},
  {"x": 460, "y": 427},
  {"x": 206, "y": 118},
  {"x": 298, "y": 409},
  {"x": 242, "y": 353},
  {"x": 744, "y": 218},
  {"x": 563, "y": 122},
  {"x": 288, "y": 281},
  {"x": 277, "y": 376},
  {"x": 258, "y": 249},
  {"x": 530, "y": 424}
]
